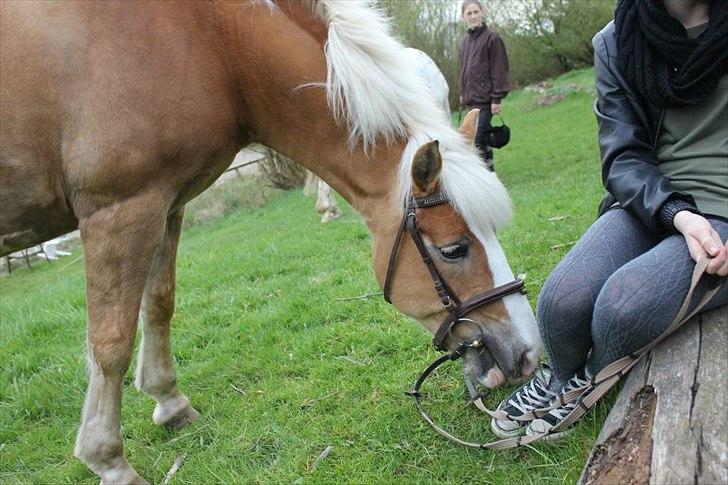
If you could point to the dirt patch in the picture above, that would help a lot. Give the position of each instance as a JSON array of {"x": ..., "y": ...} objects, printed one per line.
[{"x": 625, "y": 456}]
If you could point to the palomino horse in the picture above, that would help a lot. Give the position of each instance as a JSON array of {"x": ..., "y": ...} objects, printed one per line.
[
  {"x": 435, "y": 85},
  {"x": 115, "y": 114}
]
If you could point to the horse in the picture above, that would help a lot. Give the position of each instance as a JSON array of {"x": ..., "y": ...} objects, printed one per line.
[
  {"x": 434, "y": 79},
  {"x": 326, "y": 204},
  {"x": 115, "y": 114},
  {"x": 435, "y": 85}
]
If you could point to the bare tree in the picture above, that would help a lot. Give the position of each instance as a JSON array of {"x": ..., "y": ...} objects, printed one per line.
[{"x": 282, "y": 172}]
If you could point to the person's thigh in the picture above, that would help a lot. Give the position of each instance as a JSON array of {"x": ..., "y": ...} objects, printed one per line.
[
  {"x": 640, "y": 300},
  {"x": 566, "y": 303}
]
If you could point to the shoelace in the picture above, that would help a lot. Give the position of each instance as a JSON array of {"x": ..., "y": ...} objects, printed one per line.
[
  {"x": 573, "y": 383},
  {"x": 535, "y": 395}
]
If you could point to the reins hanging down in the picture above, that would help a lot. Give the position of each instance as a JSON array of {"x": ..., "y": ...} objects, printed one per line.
[{"x": 585, "y": 396}]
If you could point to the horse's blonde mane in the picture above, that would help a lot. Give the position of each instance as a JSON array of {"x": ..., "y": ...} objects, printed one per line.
[{"x": 372, "y": 88}]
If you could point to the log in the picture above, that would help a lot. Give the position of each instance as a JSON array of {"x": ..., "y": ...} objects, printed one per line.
[{"x": 670, "y": 421}]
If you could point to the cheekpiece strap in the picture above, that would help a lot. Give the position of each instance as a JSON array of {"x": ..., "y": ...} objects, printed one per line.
[{"x": 411, "y": 204}]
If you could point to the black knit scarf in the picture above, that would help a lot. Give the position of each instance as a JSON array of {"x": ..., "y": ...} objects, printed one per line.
[{"x": 658, "y": 59}]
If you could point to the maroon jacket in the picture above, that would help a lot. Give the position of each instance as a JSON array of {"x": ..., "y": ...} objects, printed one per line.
[{"x": 483, "y": 68}]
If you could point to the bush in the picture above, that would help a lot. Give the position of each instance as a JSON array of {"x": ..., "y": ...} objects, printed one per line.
[
  {"x": 282, "y": 172},
  {"x": 546, "y": 38},
  {"x": 248, "y": 192}
]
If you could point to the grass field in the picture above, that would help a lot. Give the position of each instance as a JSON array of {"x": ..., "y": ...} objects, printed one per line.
[{"x": 280, "y": 363}]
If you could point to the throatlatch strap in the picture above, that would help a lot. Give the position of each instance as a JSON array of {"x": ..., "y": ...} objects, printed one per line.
[
  {"x": 393, "y": 260},
  {"x": 586, "y": 396}
]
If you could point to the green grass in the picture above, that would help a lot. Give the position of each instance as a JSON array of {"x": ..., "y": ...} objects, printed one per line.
[
  {"x": 249, "y": 192},
  {"x": 278, "y": 366}
]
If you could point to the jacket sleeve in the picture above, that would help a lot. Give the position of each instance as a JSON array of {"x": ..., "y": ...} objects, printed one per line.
[
  {"x": 498, "y": 67},
  {"x": 629, "y": 165}
]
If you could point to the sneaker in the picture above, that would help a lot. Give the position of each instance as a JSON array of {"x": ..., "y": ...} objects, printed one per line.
[
  {"x": 557, "y": 415},
  {"x": 532, "y": 395}
]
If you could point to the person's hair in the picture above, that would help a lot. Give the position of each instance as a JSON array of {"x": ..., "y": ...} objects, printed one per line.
[{"x": 470, "y": 2}]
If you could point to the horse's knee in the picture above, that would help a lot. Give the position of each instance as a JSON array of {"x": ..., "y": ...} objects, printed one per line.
[
  {"x": 104, "y": 455},
  {"x": 96, "y": 448},
  {"x": 157, "y": 381}
]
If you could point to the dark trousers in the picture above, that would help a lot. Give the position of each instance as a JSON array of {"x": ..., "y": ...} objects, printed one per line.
[
  {"x": 616, "y": 290},
  {"x": 483, "y": 127}
]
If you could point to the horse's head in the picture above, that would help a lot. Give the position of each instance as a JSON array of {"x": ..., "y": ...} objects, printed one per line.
[
  {"x": 381, "y": 106},
  {"x": 467, "y": 263}
]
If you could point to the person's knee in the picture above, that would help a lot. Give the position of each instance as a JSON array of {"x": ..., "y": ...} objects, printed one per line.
[
  {"x": 623, "y": 319},
  {"x": 564, "y": 303}
]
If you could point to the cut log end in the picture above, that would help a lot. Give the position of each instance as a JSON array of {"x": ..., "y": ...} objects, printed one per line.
[{"x": 669, "y": 423}]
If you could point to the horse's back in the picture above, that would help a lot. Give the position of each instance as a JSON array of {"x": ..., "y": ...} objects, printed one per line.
[
  {"x": 105, "y": 98},
  {"x": 435, "y": 81}
]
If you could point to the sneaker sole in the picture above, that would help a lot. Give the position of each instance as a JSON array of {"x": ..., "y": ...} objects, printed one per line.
[
  {"x": 554, "y": 436},
  {"x": 503, "y": 433}
]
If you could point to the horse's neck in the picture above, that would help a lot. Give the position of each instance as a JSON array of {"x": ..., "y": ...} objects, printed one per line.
[{"x": 275, "y": 67}]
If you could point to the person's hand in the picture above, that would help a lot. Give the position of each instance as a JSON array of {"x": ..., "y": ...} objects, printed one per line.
[
  {"x": 495, "y": 108},
  {"x": 703, "y": 240}
]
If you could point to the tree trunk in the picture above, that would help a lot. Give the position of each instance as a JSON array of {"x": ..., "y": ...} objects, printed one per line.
[{"x": 670, "y": 421}]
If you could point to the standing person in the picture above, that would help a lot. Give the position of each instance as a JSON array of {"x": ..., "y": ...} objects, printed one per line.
[
  {"x": 662, "y": 102},
  {"x": 483, "y": 72}
]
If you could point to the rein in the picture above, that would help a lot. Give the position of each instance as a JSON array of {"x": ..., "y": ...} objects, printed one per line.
[{"x": 586, "y": 396}]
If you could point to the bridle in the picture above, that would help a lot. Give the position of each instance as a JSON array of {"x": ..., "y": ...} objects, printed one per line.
[{"x": 456, "y": 310}]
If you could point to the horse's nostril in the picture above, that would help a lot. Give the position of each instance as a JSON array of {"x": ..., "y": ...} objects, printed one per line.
[{"x": 526, "y": 365}]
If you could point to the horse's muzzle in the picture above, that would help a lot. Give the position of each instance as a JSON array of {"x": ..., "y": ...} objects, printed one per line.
[{"x": 482, "y": 367}]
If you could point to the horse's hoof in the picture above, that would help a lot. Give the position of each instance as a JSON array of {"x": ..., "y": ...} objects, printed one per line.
[
  {"x": 125, "y": 475},
  {"x": 178, "y": 415},
  {"x": 330, "y": 215},
  {"x": 137, "y": 480}
]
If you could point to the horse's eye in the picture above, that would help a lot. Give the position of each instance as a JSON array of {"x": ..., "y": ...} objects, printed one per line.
[{"x": 455, "y": 251}]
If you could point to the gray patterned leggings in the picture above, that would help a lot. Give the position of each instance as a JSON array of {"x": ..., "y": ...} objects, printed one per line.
[{"x": 616, "y": 290}]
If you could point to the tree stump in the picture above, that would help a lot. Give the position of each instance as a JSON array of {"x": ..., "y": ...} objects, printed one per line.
[{"x": 670, "y": 421}]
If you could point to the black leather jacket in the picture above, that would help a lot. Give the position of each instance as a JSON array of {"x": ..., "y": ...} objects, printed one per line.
[{"x": 628, "y": 131}]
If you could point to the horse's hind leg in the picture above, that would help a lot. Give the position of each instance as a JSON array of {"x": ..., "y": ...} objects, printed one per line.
[
  {"x": 120, "y": 242},
  {"x": 155, "y": 368},
  {"x": 326, "y": 203}
]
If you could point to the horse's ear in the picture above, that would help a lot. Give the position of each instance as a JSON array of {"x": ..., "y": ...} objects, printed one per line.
[
  {"x": 426, "y": 168},
  {"x": 469, "y": 125}
]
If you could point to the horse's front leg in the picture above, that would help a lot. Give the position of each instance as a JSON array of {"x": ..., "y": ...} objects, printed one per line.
[
  {"x": 120, "y": 242},
  {"x": 155, "y": 373}
]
